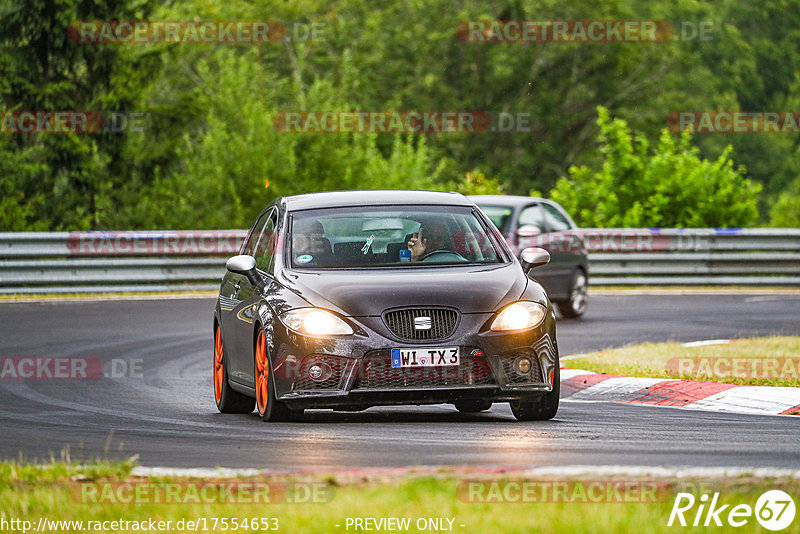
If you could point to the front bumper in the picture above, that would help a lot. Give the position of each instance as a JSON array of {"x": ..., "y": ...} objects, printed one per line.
[{"x": 357, "y": 369}]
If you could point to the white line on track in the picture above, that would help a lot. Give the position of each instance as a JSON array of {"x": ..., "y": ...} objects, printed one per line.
[
  {"x": 706, "y": 342},
  {"x": 562, "y": 471}
]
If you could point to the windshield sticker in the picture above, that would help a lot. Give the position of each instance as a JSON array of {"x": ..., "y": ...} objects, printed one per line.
[
  {"x": 305, "y": 258},
  {"x": 368, "y": 244}
]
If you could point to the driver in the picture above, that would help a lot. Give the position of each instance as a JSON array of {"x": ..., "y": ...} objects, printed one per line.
[
  {"x": 430, "y": 244},
  {"x": 310, "y": 241}
]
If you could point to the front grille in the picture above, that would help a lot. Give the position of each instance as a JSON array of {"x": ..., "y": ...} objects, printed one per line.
[
  {"x": 303, "y": 381},
  {"x": 376, "y": 372},
  {"x": 534, "y": 376},
  {"x": 443, "y": 322}
]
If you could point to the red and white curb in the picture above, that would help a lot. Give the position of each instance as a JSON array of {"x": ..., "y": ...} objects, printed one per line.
[{"x": 577, "y": 385}]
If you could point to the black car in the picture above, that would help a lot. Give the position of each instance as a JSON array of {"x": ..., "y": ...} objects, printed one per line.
[
  {"x": 537, "y": 222},
  {"x": 353, "y": 299}
]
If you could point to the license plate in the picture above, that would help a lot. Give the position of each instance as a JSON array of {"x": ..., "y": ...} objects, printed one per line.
[{"x": 425, "y": 357}]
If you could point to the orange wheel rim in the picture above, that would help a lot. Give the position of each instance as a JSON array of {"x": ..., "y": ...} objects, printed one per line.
[
  {"x": 262, "y": 374},
  {"x": 218, "y": 374}
]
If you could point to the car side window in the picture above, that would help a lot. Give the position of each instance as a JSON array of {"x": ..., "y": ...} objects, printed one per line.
[
  {"x": 556, "y": 222},
  {"x": 532, "y": 215},
  {"x": 264, "y": 252},
  {"x": 255, "y": 233}
]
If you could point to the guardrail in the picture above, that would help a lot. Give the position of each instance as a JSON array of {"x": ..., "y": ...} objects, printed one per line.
[
  {"x": 195, "y": 260},
  {"x": 697, "y": 256},
  {"x": 80, "y": 262}
]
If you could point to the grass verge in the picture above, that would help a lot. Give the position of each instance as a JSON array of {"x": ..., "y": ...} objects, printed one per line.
[
  {"x": 55, "y": 491},
  {"x": 768, "y": 361}
]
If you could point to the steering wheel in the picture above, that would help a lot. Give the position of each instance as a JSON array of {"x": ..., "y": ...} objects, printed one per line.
[{"x": 441, "y": 251}]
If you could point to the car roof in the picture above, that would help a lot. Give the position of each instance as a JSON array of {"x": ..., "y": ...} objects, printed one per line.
[
  {"x": 334, "y": 199},
  {"x": 504, "y": 200}
]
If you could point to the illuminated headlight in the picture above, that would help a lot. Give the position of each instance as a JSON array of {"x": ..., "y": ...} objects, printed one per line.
[
  {"x": 519, "y": 316},
  {"x": 315, "y": 322}
]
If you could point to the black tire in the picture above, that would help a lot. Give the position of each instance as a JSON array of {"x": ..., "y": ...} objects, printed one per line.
[
  {"x": 473, "y": 406},
  {"x": 228, "y": 400},
  {"x": 578, "y": 299},
  {"x": 269, "y": 408},
  {"x": 543, "y": 408}
]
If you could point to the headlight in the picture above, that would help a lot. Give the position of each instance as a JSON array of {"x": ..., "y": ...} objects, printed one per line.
[
  {"x": 519, "y": 316},
  {"x": 315, "y": 322}
]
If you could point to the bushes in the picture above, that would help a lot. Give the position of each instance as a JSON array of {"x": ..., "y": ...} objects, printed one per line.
[
  {"x": 667, "y": 186},
  {"x": 786, "y": 211}
]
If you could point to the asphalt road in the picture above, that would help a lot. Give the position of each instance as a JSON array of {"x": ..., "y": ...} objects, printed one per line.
[{"x": 164, "y": 412}]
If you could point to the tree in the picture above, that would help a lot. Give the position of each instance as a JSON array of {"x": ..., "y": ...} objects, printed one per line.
[
  {"x": 210, "y": 138},
  {"x": 476, "y": 183},
  {"x": 238, "y": 161},
  {"x": 67, "y": 179},
  {"x": 670, "y": 186},
  {"x": 786, "y": 211}
]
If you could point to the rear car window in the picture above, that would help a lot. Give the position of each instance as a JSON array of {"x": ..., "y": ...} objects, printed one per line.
[
  {"x": 499, "y": 215},
  {"x": 532, "y": 216},
  {"x": 556, "y": 222}
]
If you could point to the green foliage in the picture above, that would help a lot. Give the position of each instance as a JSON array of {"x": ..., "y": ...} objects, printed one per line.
[
  {"x": 476, "y": 183},
  {"x": 669, "y": 186},
  {"x": 237, "y": 162},
  {"x": 18, "y": 201},
  {"x": 786, "y": 211},
  {"x": 211, "y": 158},
  {"x": 63, "y": 470},
  {"x": 62, "y": 181}
]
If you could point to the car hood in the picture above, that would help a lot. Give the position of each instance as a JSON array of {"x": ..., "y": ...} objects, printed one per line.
[{"x": 471, "y": 289}]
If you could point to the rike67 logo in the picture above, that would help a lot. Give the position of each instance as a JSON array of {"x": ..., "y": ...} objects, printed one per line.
[{"x": 774, "y": 510}]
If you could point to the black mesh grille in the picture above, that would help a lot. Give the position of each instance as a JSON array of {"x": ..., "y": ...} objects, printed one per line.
[
  {"x": 534, "y": 376},
  {"x": 376, "y": 372},
  {"x": 401, "y": 323}
]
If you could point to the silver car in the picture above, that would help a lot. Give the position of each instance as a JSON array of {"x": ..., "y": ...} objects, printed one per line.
[{"x": 537, "y": 222}]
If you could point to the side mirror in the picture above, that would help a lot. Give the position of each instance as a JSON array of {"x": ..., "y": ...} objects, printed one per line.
[
  {"x": 533, "y": 257},
  {"x": 246, "y": 266},
  {"x": 528, "y": 230}
]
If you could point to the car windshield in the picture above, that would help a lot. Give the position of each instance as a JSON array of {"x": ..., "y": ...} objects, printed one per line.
[
  {"x": 407, "y": 236},
  {"x": 499, "y": 215}
]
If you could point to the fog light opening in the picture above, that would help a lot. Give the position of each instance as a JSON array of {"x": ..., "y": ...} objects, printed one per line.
[
  {"x": 522, "y": 365},
  {"x": 319, "y": 371}
]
